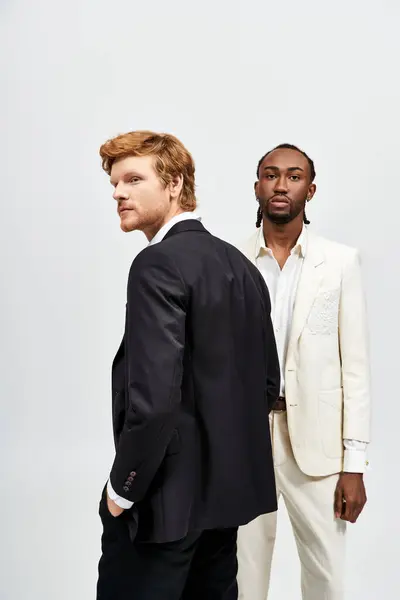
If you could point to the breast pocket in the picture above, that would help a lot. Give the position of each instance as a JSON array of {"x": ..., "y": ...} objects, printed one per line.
[{"x": 324, "y": 315}]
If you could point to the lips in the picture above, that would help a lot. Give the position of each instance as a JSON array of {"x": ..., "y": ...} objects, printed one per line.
[
  {"x": 279, "y": 200},
  {"x": 123, "y": 210}
]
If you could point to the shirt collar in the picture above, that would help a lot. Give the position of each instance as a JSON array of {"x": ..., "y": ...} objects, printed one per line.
[
  {"x": 300, "y": 246},
  {"x": 161, "y": 233}
]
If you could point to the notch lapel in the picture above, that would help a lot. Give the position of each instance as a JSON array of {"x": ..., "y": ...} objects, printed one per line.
[{"x": 309, "y": 284}]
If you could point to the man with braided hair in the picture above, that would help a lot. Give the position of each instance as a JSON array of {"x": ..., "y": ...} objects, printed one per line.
[{"x": 320, "y": 426}]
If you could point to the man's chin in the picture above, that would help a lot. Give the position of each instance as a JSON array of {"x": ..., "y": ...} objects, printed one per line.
[
  {"x": 279, "y": 218},
  {"x": 127, "y": 227}
]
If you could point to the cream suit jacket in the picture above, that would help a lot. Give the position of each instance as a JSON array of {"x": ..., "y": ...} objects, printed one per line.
[{"x": 327, "y": 376}]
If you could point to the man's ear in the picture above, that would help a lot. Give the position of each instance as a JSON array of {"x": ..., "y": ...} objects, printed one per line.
[
  {"x": 175, "y": 186},
  {"x": 311, "y": 191},
  {"x": 256, "y": 189}
]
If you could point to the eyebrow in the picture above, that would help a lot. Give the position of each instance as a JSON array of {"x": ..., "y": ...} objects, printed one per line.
[
  {"x": 289, "y": 169},
  {"x": 127, "y": 175}
]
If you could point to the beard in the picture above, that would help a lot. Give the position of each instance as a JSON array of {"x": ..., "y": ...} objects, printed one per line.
[
  {"x": 283, "y": 218},
  {"x": 279, "y": 219}
]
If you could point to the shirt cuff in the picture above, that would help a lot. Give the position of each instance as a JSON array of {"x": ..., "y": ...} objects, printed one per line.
[
  {"x": 119, "y": 501},
  {"x": 355, "y": 456}
]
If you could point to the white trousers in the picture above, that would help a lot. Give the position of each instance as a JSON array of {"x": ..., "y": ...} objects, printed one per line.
[{"x": 320, "y": 538}]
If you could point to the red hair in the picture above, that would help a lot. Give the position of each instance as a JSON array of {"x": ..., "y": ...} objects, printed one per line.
[{"x": 172, "y": 159}]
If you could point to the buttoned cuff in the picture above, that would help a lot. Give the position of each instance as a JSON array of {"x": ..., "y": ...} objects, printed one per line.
[
  {"x": 119, "y": 501},
  {"x": 355, "y": 457}
]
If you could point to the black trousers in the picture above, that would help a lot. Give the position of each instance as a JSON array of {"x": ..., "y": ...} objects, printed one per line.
[{"x": 202, "y": 566}]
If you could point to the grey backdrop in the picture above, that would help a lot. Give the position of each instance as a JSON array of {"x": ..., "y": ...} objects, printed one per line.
[{"x": 231, "y": 79}]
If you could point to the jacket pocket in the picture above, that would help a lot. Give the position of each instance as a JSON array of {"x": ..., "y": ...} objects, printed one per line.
[{"x": 331, "y": 422}]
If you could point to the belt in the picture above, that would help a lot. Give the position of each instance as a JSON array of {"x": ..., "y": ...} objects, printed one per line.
[{"x": 280, "y": 404}]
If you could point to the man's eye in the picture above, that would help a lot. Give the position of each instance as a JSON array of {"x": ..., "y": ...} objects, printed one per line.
[
  {"x": 134, "y": 180},
  {"x": 294, "y": 177},
  {"x": 270, "y": 176}
]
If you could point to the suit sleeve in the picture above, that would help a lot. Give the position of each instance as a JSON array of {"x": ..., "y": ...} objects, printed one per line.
[
  {"x": 354, "y": 351},
  {"x": 272, "y": 360},
  {"x": 154, "y": 337}
]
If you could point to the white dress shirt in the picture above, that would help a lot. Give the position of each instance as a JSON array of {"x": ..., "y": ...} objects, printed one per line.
[
  {"x": 282, "y": 285},
  {"x": 185, "y": 216}
]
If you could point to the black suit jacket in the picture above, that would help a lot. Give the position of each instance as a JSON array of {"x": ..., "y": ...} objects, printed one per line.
[{"x": 193, "y": 383}]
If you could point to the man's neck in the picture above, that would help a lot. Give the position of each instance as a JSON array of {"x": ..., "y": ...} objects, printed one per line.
[
  {"x": 173, "y": 212},
  {"x": 282, "y": 237}
]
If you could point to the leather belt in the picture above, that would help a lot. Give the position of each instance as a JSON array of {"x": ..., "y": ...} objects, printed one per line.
[{"x": 280, "y": 405}]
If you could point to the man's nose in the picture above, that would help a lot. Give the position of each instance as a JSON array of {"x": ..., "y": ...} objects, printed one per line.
[
  {"x": 281, "y": 185},
  {"x": 119, "y": 192}
]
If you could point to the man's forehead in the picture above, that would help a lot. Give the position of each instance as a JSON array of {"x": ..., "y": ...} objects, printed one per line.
[
  {"x": 132, "y": 163},
  {"x": 284, "y": 158}
]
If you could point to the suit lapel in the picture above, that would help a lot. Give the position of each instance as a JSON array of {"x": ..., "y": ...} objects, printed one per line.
[
  {"x": 308, "y": 286},
  {"x": 309, "y": 282}
]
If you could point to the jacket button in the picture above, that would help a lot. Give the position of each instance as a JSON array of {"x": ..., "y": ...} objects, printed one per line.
[
  {"x": 133, "y": 473},
  {"x": 130, "y": 478},
  {"x": 125, "y": 488}
]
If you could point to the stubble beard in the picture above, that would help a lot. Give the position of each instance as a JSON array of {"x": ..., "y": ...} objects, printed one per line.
[{"x": 282, "y": 218}]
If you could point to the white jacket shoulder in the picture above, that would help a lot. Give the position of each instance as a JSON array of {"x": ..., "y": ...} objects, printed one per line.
[{"x": 334, "y": 252}]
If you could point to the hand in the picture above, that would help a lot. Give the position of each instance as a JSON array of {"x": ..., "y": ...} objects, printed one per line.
[
  {"x": 114, "y": 509},
  {"x": 350, "y": 497}
]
